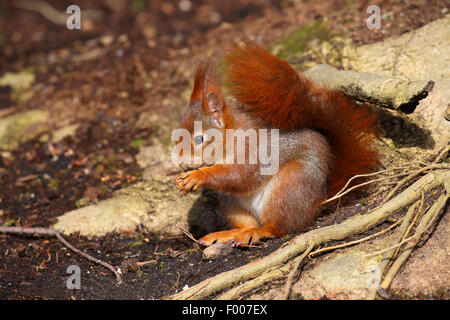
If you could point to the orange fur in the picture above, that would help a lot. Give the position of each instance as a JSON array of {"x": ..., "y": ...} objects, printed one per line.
[
  {"x": 339, "y": 146},
  {"x": 206, "y": 80},
  {"x": 274, "y": 92}
]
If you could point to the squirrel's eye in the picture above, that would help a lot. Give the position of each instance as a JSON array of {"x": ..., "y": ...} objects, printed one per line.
[{"x": 198, "y": 140}]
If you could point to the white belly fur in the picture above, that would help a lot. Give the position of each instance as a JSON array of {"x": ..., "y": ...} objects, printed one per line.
[{"x": 255, "y": 202}]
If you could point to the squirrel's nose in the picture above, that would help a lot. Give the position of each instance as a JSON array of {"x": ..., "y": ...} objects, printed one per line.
[{"x": 183, "y": 166}]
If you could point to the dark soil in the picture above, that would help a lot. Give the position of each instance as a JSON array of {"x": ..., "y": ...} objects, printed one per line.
[
  {"x": 36, "y": 268},
  {"x": 136, "y": 71}
]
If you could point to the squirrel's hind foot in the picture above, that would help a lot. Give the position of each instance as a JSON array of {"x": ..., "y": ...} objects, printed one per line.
[{"x": 237, "y": 237}]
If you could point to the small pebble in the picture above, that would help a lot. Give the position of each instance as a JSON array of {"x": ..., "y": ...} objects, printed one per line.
[{"x": 217, "y": 251}]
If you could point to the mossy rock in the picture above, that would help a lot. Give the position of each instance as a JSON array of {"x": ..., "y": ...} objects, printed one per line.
[
  {"x": 313, "y": 44},
  {"x": 20, "y": 83},
  {"x": 21, "y": 127},
  {"x": 298, "y": 42}
]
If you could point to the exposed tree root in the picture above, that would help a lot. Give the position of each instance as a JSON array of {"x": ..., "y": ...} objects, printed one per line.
[
  {"x": 427, "y": 220},
  {"x": 393, "y": 260},
  {"x": 298, "y": 261},
  {"x": 388, "y": 92},
  {"x": 280, "y": 262},
  {"x": 415, "y": 173},
  {"x": 346, "y": 244}
]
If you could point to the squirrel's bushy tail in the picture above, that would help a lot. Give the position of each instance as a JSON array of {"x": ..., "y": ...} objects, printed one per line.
[{"x": 284, "y": 99}]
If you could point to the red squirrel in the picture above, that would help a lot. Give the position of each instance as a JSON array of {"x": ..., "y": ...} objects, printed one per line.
[{"x": 324, "y": 139}]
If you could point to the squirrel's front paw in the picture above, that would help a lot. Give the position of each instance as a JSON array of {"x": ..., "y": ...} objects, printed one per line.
[{"x": 190, "y": 181}]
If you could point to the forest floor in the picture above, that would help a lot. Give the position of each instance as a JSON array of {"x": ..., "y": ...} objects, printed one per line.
[{"x": 120, "y": 65}]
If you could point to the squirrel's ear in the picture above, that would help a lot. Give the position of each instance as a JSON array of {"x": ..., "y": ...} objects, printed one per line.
[
  {"x": 214, "y": 105},
  {"x": 214, "y": 102}
]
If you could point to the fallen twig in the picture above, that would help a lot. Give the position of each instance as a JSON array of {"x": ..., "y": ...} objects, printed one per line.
[
  {"x": 186, "y": 232},
  {"x": 52, "y": 232},
  {"x": 143, "y": 263},
  {"x": 50, "y": 13},
  {"x": 45, "y": 9}
]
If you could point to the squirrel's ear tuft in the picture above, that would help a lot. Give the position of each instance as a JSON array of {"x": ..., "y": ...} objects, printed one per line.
[
  {"x": 206, "y": 79},
  {"x": 199, "y": 81}
]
